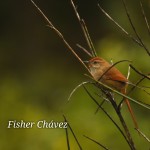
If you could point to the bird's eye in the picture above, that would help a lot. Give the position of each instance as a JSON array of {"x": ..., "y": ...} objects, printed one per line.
[{"x": 95, "y": 62}]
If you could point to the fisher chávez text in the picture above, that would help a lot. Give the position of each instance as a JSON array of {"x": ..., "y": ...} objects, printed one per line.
[{"x": 41, "y": 124}]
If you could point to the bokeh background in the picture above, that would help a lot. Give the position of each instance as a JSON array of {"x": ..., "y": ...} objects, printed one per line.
[{"x": 38, "y": 72}]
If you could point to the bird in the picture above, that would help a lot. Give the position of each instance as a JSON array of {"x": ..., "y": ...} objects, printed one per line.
[{"x": 103, "y": 71}]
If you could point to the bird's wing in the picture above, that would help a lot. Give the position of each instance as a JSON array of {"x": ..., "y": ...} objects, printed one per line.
[{"x": 115, "y": 75}]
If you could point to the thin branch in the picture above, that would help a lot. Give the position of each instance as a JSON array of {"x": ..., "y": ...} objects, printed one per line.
[
  {"x": 73, "y": 134},
  {"x": 67, "y": 137},
  {"x": 106, "y": 114},
  {"x": 60, "y": 35},
  {"x": 78, "y": 86},
  {"x": 96, "y": 142},
  {"x": 129, "y": 71},
  {"x": 87, "y": 52},
  {"x": 105, "y": 99},
  {"x": 145, "y": 18},
  {"x": 98, "y": 106},
  {"x": 85, "y": 31},
  {"x": 112, "y": 67},
  {"x": 137, "y": 83},
  {"x": 136, "y": 86},
  {"x": 128, "y": 75},
  {"x": 123, "y": 123},
  {"x": 125, "y": 96},
  {"x": 143, "y": 135},
  {"x": 133, "y": 27},
  {"x": 141, "y": 88},
  {"x": 89, "y": 39},
  {"x": 139, "y": 72},
  {"x": 118, "y": 25}
]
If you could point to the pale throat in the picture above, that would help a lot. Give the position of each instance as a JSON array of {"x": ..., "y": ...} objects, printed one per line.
[{"x": 96, "y": 72}]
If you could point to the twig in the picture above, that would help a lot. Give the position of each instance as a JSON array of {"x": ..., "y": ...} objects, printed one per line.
[
  {"x": 118, "y": 25},
  {"x": 125, "y": 96},
  {"x": 141, "y": 88},
  {"x": 67, "y": 137},
  {"x": 118, "y": 112},
  {"x": 107, "y": 114},
  {"x": 60, "y": 35},
  {"x": 96, "y": 142},
  {"x": 120, "y": 104},
  {"x": 81, "y": 47},
  {"x": 139, "y": 72},
  {"x": 73, "y": 134},
  {"x": 129, "y": 70},
  {"x": 78, "y": 86},
  {"x": 145, "y": 18},
  {"x": 100, "y": 105},
  {"x": 85, "y": 31},
  {"x": 112, "y": 67},
  {"x": 133, "y": 27},
  {"x": 138, "y": 82},
  {"x": 136, "y": 86},
  {"x": 104, "y": 100},
  {"x": 143, "y": 135}
]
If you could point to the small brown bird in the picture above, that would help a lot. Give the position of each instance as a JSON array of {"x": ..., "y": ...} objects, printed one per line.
[{"x": 101, "y": 71}]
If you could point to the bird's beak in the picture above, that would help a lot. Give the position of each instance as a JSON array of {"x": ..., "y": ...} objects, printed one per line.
[{"x": 86, "y": 61}]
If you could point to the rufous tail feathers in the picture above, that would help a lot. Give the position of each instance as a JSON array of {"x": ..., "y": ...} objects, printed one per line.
[{"x": 130, "y": 110}]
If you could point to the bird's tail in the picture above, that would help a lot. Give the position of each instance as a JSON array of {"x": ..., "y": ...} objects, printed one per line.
[{"x": 130, "y": 110}]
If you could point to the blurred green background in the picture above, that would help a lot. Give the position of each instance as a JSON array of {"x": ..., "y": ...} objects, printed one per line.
[{"x": 38, "y": 73}]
